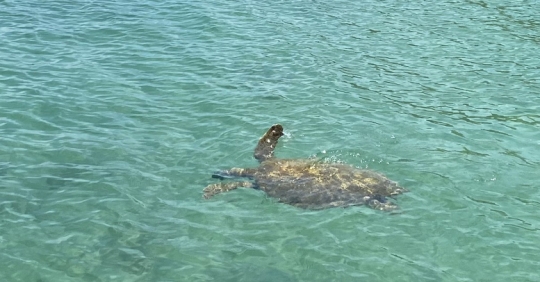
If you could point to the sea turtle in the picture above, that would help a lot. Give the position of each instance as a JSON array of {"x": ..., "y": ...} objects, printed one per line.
[{"x": 308, "y": 183}]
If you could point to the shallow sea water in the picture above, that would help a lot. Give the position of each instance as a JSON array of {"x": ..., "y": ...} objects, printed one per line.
[{"x": 114, "y": 114}]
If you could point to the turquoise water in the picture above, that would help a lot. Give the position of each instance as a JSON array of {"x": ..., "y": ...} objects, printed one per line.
[{"x": 114, "y": 114}]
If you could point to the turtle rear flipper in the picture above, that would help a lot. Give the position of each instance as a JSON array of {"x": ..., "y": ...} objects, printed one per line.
[
  {"x": 221, "y": 187},
  {"x": 267, "y": 143}
]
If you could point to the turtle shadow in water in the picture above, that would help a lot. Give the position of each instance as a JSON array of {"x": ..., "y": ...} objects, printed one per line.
[{"x": 308, "y": 183}]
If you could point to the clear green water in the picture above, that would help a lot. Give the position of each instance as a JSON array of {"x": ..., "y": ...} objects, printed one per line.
[{"x": 113, "y": 115}]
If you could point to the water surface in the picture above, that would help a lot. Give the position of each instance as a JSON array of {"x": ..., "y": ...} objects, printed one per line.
[{"x": 113, "y": 115}]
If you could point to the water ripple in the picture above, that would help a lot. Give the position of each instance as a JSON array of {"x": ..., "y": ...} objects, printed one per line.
[{"x": 114, "y": 114}]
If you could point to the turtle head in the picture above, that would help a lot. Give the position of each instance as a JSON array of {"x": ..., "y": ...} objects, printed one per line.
[{"x": 267, "y": 143}]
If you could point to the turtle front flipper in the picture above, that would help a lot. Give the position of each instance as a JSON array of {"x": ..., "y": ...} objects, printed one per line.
[
  {"x": 234, "y": 172},
  {"x": 218, "y": 188},
  {"x": 267, "y": 143}
]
